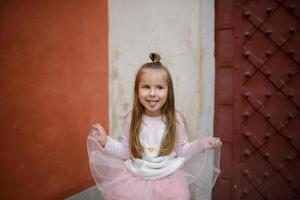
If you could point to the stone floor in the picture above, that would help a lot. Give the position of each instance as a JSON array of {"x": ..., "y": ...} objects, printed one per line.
[{"x": 91, "y": 193}]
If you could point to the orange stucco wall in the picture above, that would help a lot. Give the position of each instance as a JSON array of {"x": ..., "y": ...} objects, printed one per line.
[{"x": 53, "y": 77}]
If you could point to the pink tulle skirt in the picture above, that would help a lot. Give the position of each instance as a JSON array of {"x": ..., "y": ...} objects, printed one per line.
[
  {"x": 193, "y": 180},
  {"x": 170, "y": 187}
]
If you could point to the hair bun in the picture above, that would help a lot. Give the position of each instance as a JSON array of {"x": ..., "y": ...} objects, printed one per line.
[{"x": 155, "y": 57}]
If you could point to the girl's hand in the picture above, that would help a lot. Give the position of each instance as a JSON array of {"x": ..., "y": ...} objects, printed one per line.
[
  {"x": 211, "y": 142},
  {"x": 101, "y": 136}
]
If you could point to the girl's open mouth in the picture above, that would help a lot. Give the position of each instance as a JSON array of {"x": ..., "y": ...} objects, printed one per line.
[{"x": 152, "y": 103}]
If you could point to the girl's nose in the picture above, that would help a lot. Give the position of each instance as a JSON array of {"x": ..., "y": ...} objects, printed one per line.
[{"x": 152, "y": 92}]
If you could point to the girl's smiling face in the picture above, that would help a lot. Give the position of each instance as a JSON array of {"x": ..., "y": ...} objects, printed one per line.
[{"x": 153, "y": 91}]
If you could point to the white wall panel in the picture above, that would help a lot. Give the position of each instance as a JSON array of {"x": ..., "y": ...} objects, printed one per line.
[{"x": 182, "y": 32}]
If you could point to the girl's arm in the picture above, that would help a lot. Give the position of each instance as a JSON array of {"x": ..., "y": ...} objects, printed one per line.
[
  {"x": 119, "y": 149},
  {"x": 188, "y": 149}
]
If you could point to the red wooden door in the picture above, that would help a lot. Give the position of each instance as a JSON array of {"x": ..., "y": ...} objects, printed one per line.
[{"x": 258, "y": 98}]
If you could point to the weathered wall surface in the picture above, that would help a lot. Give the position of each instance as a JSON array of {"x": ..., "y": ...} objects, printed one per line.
[
  {"x": 53, "y": 79},
  {"x": 183, "y": 33}
]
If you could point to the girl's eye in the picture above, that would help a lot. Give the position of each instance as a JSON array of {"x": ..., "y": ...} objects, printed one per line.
[
  {"x": 160, "y": 87},
  {"x": 146, "y": 87}
]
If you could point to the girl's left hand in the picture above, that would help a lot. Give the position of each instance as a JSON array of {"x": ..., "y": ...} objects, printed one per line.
[{"x": 211, "y": 142}]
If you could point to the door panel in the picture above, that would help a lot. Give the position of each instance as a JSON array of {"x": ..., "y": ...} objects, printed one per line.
[{"x": 258, "y": 90}]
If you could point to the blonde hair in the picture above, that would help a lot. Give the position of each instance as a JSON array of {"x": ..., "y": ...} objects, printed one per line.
[{"x": 168, "y": 110}]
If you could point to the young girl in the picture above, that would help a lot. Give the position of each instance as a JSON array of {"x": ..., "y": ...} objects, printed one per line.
[{"x": 154, "y": 160}]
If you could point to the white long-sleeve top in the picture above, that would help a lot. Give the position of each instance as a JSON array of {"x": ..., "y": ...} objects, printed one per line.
[{"x": 153, "y": 166}]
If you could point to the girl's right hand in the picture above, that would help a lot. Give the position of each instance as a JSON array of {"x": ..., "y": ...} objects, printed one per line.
[{"x": 101, "y": 136}]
